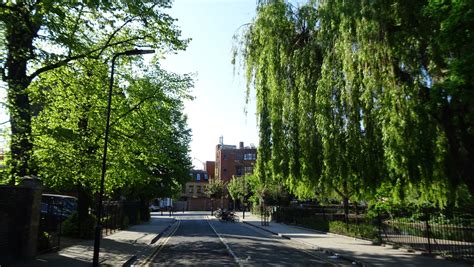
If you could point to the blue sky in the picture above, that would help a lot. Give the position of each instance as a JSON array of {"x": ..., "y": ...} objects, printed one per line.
[{"x": 220, "y": 95}]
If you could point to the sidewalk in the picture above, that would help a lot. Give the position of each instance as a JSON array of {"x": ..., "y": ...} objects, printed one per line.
[
  {"x": 117, "y": 249},
  {"x": 351, "y": 248}
]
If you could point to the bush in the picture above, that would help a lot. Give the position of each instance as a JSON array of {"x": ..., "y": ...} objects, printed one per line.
[
  {"x": 315, "y": 222},
  {"x": 365, "y": 231},
  {"x": 125, "y": 222},
  {"x": 44, "y": 242},
  {"x": 70, "y": 226}
]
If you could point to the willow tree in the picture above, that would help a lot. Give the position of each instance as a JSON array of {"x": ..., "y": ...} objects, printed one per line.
[
  {"x": 355, "y": 94},
  {"x": 39, "y": 36},
  {"x": 277, "y": 53}
]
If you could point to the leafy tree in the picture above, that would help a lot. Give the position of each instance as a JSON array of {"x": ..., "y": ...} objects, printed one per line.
[
  {"x": 39, "y": 36},
  {"x": 238, "y": 189},
  {"x": 215, "y": 189},
  {"x": 149, "y": 138},
  {"x": 265, "y": 193},
  {"x": 353, "y": 95}
]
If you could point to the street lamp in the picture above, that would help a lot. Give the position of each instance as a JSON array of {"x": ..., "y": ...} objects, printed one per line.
[{"x": 98, "y": 228}]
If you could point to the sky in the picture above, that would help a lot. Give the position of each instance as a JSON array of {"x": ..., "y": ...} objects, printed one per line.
[{"x": 219, "y": 104}]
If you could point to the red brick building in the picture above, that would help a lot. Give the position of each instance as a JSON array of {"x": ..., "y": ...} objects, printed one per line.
[
  {"x": 210, "y": 167},
  {"x": 230, "y": 161},
  {"x": 234, "y": 161}
]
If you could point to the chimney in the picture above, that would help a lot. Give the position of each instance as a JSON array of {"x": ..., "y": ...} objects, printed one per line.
[{"x": 241, "y": 145}]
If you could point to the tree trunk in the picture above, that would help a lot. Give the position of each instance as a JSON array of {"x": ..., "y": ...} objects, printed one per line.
[
  {"x": 20, "y": 32},
  {"x": 145, "y": 212},
  {"x": 345, "y": 203},
  {"x": 83, "y": 205},
  {"x": 461, "y": 145}
]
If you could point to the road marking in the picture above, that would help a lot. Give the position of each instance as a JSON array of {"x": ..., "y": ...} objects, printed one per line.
[
  {"x": 225, "y": 244},
  {"x": 162, "y": 243},
  {"x": 289, "y": 242}
]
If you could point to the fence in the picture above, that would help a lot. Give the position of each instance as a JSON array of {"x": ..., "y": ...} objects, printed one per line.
[
  {"x": 119, "y": 214},
  {"x": 116, "y": 215},
  {"x": 431, "y": 231},
  {"x": 112, "y": 218},
  {"x": 454, "y": 237},
  {"x": 52, "y": 215}
]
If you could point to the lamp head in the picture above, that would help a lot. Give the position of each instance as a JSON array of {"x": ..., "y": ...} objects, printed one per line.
[{"x": 138, "y": 52}]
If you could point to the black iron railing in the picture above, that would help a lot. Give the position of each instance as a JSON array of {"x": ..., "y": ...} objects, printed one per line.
[{"x": 429, "y": 231}]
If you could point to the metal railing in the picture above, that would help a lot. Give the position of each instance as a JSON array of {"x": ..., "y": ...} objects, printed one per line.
[
  {"x": 429, "y": 231},
  {"x": 52, "y": 214}
]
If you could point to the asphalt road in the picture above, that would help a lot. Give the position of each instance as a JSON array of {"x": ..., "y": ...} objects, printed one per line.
[
  {"x": 255, "y": 247},
  {"x": 195, "y": 242}
]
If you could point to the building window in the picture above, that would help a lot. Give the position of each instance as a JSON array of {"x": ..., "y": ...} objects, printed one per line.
[
  {"x": 199, "y": 189},
  {"x": 225, "y": 156},
  {"x": 198, "y": 177},
  {"x": 249, "y": 156},
  {"x": 190, "y": 189},
  {"x": 238, "y": 170},
  {"x": 205, "y": 176},
  {"x": 248, "y": 169}
]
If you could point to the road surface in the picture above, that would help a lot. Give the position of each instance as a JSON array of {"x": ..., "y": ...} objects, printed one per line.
[{"x": 199, "y": 241}]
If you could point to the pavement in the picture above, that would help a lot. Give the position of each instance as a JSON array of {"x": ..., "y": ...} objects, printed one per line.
[
  {"x": 353, "y": 249},
  {"x": 119, "y": 249}
]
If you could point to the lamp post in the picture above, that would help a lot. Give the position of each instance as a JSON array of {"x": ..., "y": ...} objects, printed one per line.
[{"x": 98, "y": 228}]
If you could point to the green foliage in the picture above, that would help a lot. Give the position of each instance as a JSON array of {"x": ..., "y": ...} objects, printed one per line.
[
  {"x": 72, "y": 227},
  {"x": 149, "y": 138},
  {"x": 359, "y": 98},
  {"x": 268, "y": 193},
  {"x": 315, "y": 222},
  {"x": 365, "y": 231},
  {"x": 125, "y": 222},
  {"x": 44, "y": 242},
  {"x": 238, "y": 188},
  {"x": 215, "y": 188},
  {"x": 40, "y": 37}
]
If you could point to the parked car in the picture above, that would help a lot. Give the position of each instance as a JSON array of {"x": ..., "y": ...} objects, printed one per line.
[
  {"x": 58, "y": 206},
  {"x": 154, "y": 208}
]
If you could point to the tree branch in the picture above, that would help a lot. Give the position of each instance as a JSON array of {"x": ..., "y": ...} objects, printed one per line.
[
  {"x": 137, "y": 106},
  {"x": 338, "y": 191},
  {"x": 59, "y": 64},
  {"x": 84, "y": 55},
  {"x": 120, "y": 28},
  {"x": 113, "y": 35}
]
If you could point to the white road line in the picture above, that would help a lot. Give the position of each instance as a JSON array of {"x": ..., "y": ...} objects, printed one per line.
[
  {"x": 225, "y": 244},
  {"x": 290, "y": 242},
  {"x": 162, "y": 243}
]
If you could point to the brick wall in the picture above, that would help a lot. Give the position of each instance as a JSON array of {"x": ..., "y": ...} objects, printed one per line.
[{"x": 19, "y": 221}]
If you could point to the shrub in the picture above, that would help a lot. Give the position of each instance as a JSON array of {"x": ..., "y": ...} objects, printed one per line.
[
  {"x": 85, "y": 229},
  {"x": 365, "y": 231},
  {"x": 315, "y": 222},
  {"x": 125, "y": 222},
  {"x": 44, "y": 242}
]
